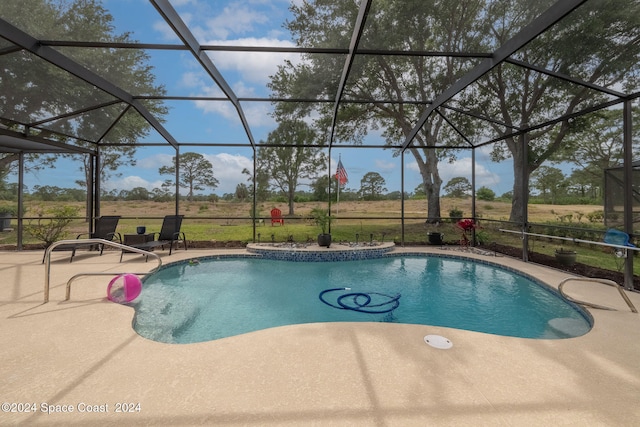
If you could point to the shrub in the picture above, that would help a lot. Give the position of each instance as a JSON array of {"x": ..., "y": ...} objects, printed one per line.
[
  {"x": 455, "y": 214},
  {"x": 11, "y": 210},
  {"x": 256, "y": 215},
  {"x": 485, "y": 193},
  {"x": 597, "y": 216},
  {"x": 51, "y": 224},
  {"x": 482, "y": 237}
]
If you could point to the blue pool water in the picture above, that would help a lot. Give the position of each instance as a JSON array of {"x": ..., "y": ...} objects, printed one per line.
[{"x": 217, "y": 298}]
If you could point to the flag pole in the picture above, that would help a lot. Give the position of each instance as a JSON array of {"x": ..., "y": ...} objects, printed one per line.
[
  {"x": 338, "y": 180},
  {"x": 338, "y": 198},
  {"x": 341, "y": 175}
]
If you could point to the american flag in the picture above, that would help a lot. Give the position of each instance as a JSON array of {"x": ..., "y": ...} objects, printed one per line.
[{"x": 341, "y": 174}]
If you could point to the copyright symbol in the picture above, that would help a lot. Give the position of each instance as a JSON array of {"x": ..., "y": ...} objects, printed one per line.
[{"x": 6, "y": 407}]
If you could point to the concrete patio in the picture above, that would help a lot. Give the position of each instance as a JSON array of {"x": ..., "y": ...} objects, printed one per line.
[{"x": 83, "y": 355}]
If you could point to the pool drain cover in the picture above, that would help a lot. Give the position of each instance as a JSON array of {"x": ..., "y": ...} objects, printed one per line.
[{"x": 438, "y": 341}]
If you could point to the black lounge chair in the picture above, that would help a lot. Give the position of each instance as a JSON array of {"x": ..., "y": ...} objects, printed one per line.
[
  {"x": 169, "y": 234},
  {"x": 105, "y": 228}
]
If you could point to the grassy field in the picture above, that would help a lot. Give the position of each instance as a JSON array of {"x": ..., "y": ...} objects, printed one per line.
[
  {"x": 223, "y": 223},
  {"x": 230, "y": 221}
]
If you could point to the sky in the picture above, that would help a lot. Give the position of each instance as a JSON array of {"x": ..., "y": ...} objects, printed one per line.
[{"x": 252, "y": 22}]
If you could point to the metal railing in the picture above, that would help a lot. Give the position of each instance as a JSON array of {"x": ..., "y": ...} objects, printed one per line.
[
  {"x": 622, "y": 251},
  {"x": 595, "y": 280},
  {"x": 571, "y": 239},
  {"x": 88, "y": 242}
]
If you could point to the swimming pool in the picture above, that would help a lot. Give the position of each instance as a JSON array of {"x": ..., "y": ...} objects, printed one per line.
[{"x": 216, "y": 298}]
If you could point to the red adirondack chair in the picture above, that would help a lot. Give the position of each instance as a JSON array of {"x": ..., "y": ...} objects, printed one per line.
[{"x": 276, "y": 217}]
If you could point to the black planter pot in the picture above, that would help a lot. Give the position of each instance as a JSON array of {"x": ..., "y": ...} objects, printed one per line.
[
  {"x": 435, "y": 238},
  {"x": 566, "y": 257},
  {"x": 5, "y": 220},
  {"x": 324, "y": 240}
]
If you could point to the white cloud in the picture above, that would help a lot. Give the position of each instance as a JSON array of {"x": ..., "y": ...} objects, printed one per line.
[
  {"x": 462, "y": 167},
  {"x": 384, "y": 166},
  {"x": 222, "y": 108},
  {"x": 234, "y": 23},
  {"x": 257, "y": 113},
  {"x": 242, "y": 90},
  {"x": 227, "y": 168},
  {"x": 252, "y": 66},
  {"x": 165, "y": 30},
  {"x": 178, "y": 3},
  {"x": 130, "y": 182},
  {"x": 155, "y": 161},
  {"x": 235, "y": 18},
  {"x": 191, "y": 80},
  {"x": 143, "y": 165}
]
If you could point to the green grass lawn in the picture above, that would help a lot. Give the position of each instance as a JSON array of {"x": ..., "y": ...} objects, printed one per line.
[{"x": 233, "y": 225}]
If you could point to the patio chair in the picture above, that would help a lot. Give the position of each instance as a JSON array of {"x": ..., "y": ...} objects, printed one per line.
[
  {"x": 105, "y": 228},
  {"x": 169, "y": 234},
  {"x": 276, "y": 217}
]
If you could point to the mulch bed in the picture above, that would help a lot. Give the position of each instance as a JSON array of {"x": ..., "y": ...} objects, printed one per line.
[{"x": 577, "y": 268}]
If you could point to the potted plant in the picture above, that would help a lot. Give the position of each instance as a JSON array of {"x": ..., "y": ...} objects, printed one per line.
[
  {"x": 435, "y": 238},
  {"x": 566, "y": 256},
  {"x": 6, "y": 213},
  {"x": 322, "y": 219}
]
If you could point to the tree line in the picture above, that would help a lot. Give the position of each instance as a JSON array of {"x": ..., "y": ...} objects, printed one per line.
[{"x": 549, "y": 185}]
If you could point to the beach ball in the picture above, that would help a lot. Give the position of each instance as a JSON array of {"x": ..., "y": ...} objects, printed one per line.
[{"x": 124, "y": 288}]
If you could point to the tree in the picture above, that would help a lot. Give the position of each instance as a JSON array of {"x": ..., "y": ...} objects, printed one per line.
[
  {"x": 595, "y": 145},
  {"x": 372, "y": 186},
  {"x": 123, "y": 194},
  {"x": 419, "y": 190},
  {"x": 17, "y": 89},
  {"x": 138, "y": 193},
  {"x": 320, "y": 188},
  {"x": 458, "y": 187},
  {"x": 262, "y": 183},
  {"x": 411, "y": 81},
  {"x": 585, "y": 185},
  {"x": 549, "y": 181},
  {"x": 396, "y": 195},
  {"x": 288, "y": 158},
  {"x": 196, "y": 173},
  {"x": 599, "y": 44},
  {"x": 160, "y": 195},
  {"x": 507, "y": 195},
  {"x": 486, "y": 194},
  {"x": 47, "y": 193},
  {"x": 34, "y": 92},
  {"x": 242, "y": 192}
]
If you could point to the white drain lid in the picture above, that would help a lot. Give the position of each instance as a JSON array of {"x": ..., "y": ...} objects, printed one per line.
[{"x": 438, "y": 341}]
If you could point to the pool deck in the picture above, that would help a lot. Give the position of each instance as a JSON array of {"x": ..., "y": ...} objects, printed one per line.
[{"x": 84, "y": 354}]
